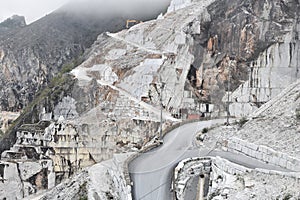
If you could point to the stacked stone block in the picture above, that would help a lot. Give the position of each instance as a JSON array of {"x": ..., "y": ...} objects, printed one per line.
[{"x": 262, "y": 153}]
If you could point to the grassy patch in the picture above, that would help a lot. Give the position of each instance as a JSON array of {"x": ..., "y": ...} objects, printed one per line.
[{"x": 66, "y": 68}]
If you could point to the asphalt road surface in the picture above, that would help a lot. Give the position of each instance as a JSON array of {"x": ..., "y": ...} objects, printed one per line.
[{"x": 151, "y": 172}]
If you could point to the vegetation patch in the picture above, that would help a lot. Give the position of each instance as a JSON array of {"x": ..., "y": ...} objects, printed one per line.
[
  {"x": 242, "y": 121},
  {"x": 205, "y": 130},
  {"x": 298, "y": 113},
  {"x": 83, "y": 191}
]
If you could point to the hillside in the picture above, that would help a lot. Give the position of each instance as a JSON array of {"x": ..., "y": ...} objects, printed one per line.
[
  {"x": 203, "y": 58},
  {"x": 276, "y": 124},
  {"x": 30, "y": 56}
]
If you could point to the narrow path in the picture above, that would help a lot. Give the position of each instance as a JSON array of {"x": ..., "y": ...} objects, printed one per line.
[{"x": 115, "y": 36}]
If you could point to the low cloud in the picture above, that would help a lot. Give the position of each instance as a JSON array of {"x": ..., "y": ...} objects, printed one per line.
[
  {"x": 30, "y": 9},
  {"x": 117, "y": 7},
  {"x": 35, "y": 9}
]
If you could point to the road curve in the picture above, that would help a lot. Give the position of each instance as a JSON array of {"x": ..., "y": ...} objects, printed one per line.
[{"x": 151, "y": 172}]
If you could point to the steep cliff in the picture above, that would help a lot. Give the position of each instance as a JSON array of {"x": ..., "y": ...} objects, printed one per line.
[{"x": 253, "y": 48}]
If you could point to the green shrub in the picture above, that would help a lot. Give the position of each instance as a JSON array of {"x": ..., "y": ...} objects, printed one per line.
[
  {"x": 66, "y": 68},
  {"x": 242, "y": 121},
  {"x": 205, "y": 130}
]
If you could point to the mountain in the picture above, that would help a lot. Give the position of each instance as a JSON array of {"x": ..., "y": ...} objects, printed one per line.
[
  {"x": 203, "y": 58},
  {"x": 11, "y": 23},
  {"x": 30, "y": 56}
]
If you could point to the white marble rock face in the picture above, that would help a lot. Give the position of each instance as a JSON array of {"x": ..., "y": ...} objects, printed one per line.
[
  {"x": 122, "y": 70},
  {"x": 275, "y": 69}
]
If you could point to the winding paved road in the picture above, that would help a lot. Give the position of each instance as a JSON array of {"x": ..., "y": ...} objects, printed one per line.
[{"x": 152, "y": 171}]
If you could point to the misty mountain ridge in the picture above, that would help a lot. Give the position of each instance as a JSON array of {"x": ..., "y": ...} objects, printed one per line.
[
  {"x": 133, "y": 8},
  {"x": 30, "y": 56},
  {"x": 12, "y": 23}
]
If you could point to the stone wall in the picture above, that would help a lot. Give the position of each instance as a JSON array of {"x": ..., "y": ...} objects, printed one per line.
[
  {"x": 232, "y": 181},
  {"x": 262, "y": 153},
  {"x": 221, "y": 165},
  {"x": 228, "y": 167},
  {"x": 228, "y": 178},
  {"x": 120, "y": 184},
  {"x": 188, "y": 169}
]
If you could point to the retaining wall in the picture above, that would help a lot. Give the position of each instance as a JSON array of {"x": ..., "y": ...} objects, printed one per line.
[
  {"x": 262, "y": 153},
  {"x": 229, "y": 167},
  {"x": 121, "y": 185},
  {"x": 187, "y": 169},
  {"x": 235, "y": 169}
]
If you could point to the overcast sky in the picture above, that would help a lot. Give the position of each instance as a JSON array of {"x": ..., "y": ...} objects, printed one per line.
[{"x": 31, "y": 9}]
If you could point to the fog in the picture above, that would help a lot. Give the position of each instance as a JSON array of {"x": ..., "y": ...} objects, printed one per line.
[
  {"x": 116, "y": 7},
  {"x": 35, "y": 9},
  {"x": 31, "y": 9}
]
